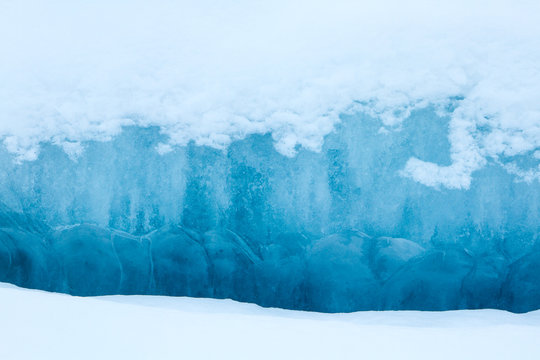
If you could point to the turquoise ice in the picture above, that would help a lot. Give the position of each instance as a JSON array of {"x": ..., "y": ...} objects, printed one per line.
[{"x": 339, "y": 230}]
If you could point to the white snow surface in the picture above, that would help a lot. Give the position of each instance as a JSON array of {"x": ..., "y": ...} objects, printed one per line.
[
  {"x": 41, "y": 325},
  {"x": 212, "y": 72}
]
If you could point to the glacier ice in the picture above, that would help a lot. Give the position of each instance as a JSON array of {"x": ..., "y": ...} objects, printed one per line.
[{"x": 339, "y": 230}]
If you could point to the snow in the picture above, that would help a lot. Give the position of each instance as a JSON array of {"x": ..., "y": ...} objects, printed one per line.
[
  {"x": 214, "y": 73},
  {"x": 41, "y": 325}
]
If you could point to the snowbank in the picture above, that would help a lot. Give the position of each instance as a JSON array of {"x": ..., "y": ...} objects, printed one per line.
[{"x": 40, "y": 325}]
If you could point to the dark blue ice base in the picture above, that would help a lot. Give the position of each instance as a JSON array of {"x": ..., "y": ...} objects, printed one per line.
[{"x": 252, "y": 225}]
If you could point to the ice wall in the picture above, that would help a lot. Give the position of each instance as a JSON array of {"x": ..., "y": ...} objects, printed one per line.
[
  {"x": 331, "y": 156},
  {"x": 338, "y": 230}
]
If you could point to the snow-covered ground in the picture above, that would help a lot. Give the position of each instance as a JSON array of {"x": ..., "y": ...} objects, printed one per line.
[{"x": 41, "y": 325}]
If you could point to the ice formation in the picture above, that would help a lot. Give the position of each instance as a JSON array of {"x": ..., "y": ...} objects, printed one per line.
[{"x": 307, "y": 155}]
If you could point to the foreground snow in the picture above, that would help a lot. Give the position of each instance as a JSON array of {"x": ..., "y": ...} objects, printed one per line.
[{"x": 44, "y": 325}]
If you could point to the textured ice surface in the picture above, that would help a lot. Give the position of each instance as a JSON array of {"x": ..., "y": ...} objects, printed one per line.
[
  {"x": 327, "y": 156},
  {"x": 338, "y": 230}
]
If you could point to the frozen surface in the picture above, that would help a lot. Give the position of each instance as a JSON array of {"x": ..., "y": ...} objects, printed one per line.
[
  {"x": 339, "y": 230},
  {"x": 331, "y": 156},
  {"x": 52, "y": 326}
]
